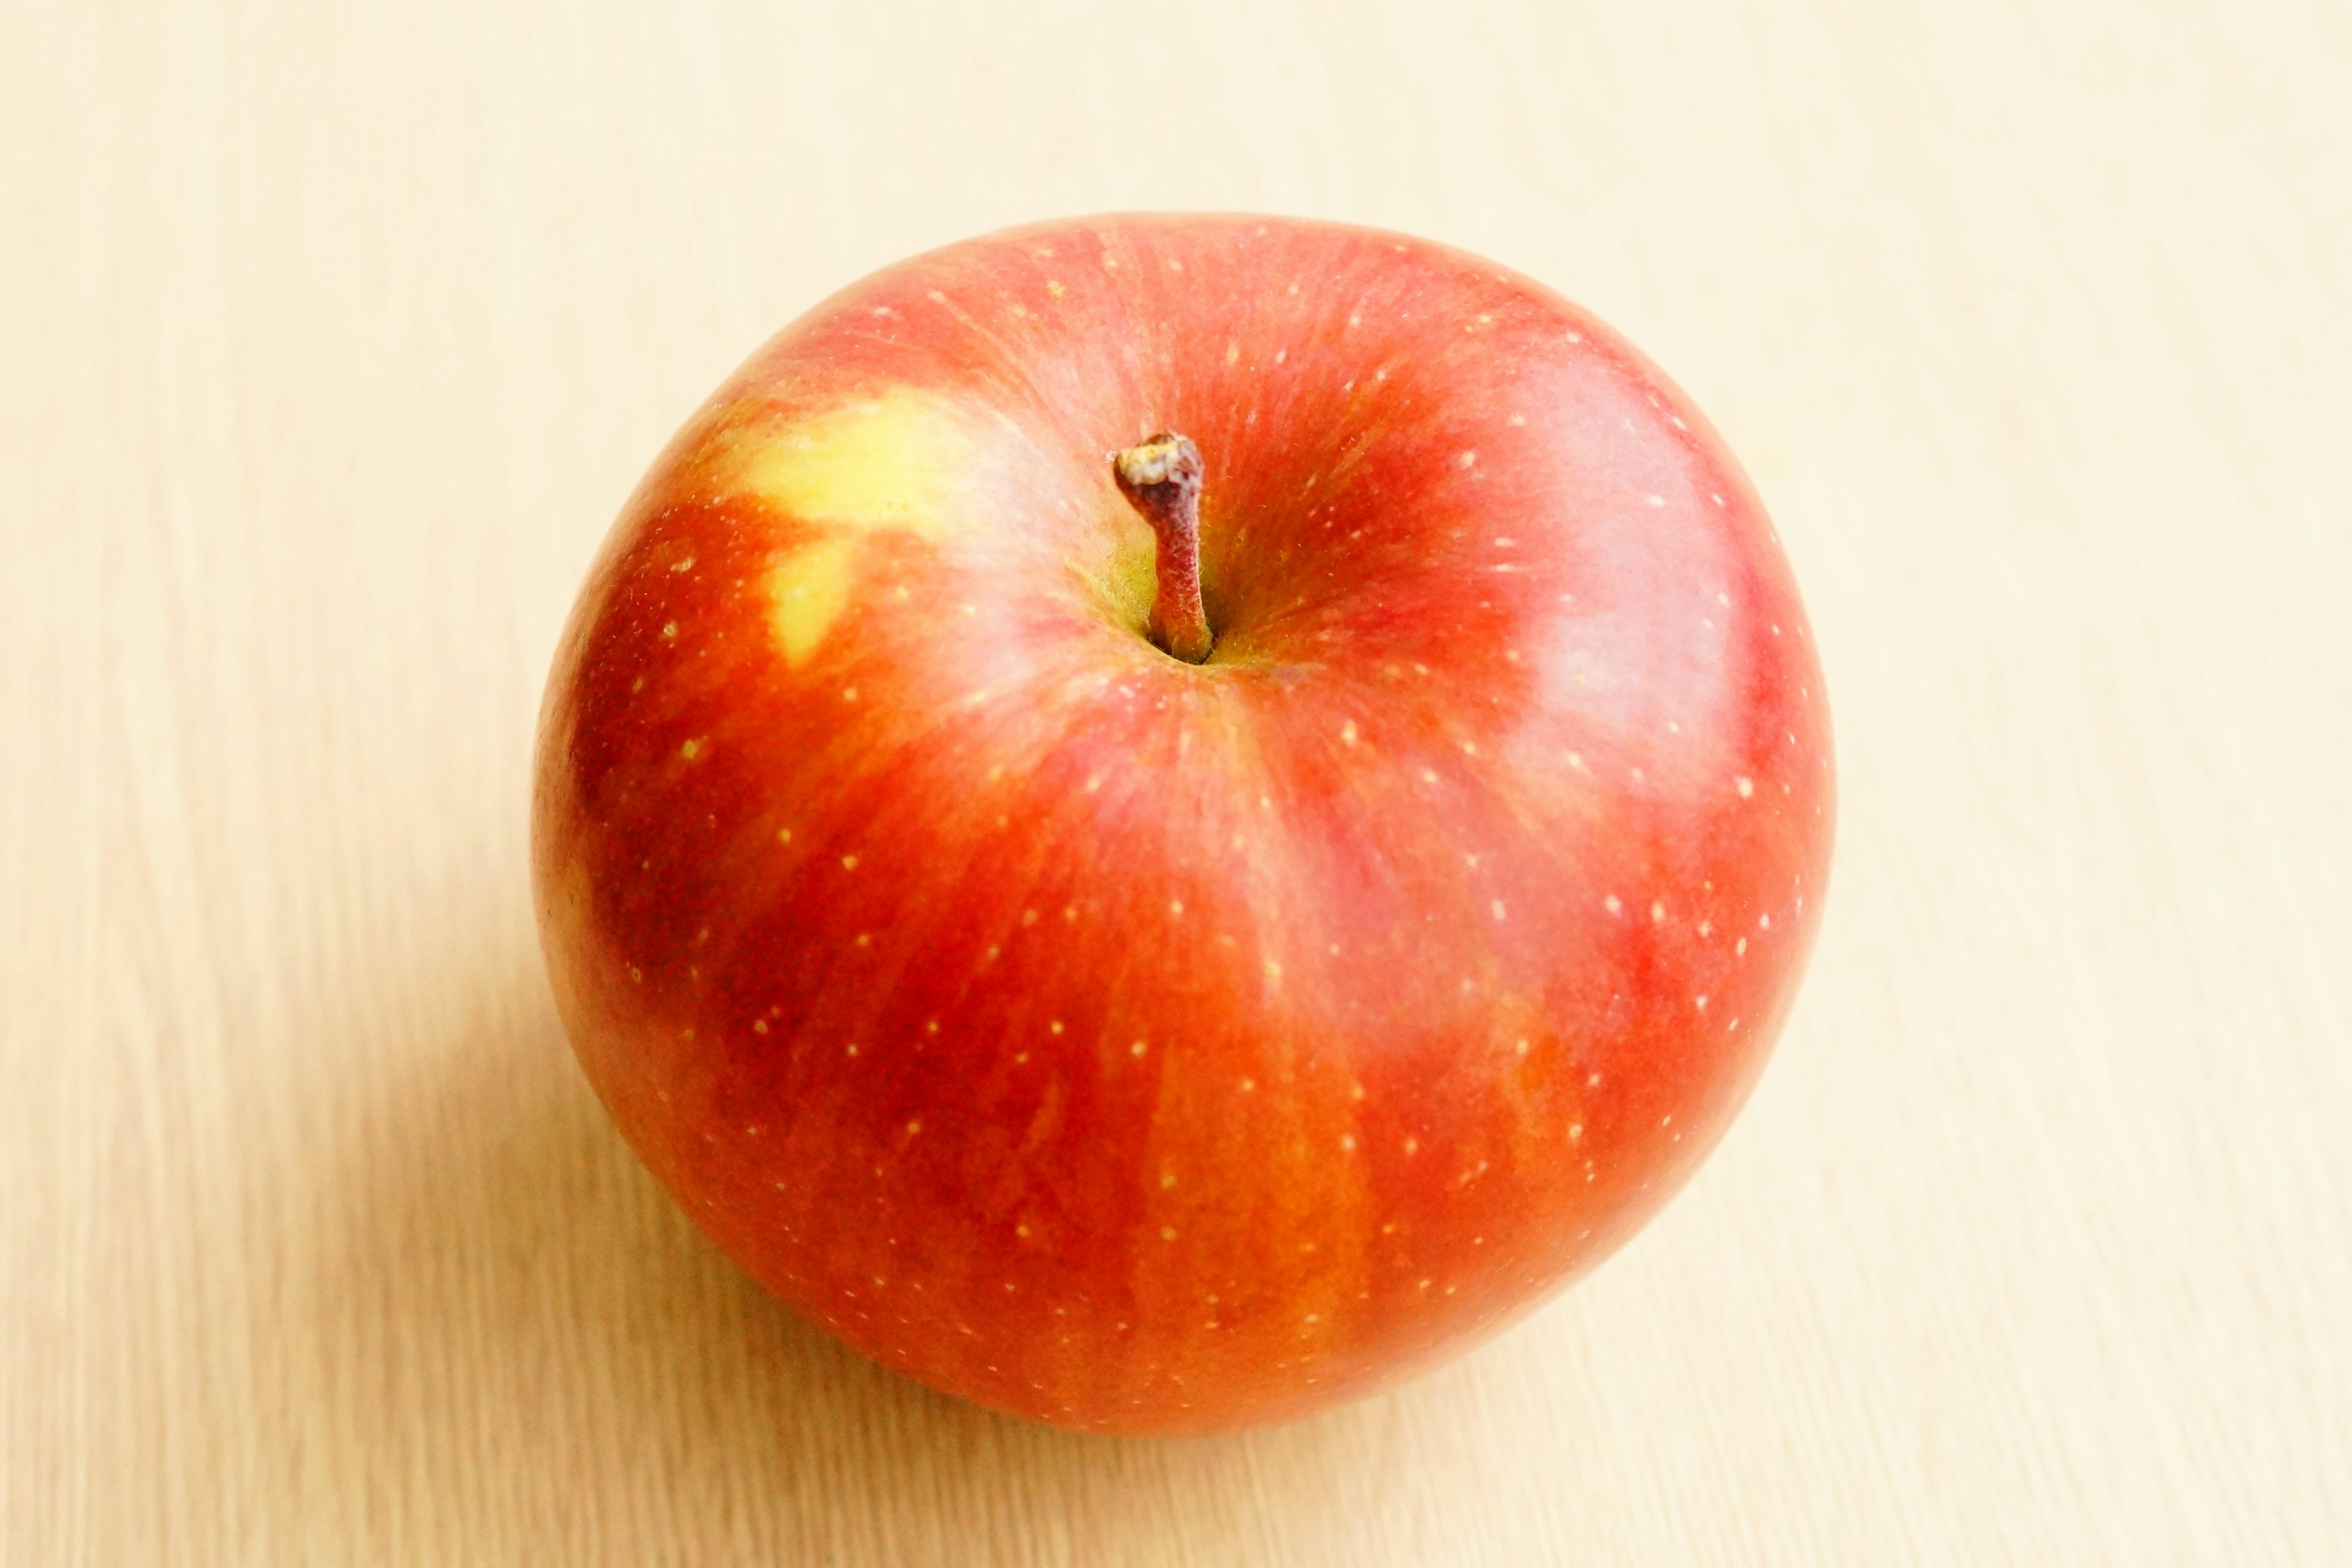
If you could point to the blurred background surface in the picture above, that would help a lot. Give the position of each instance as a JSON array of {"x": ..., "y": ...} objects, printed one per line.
[{"x": 331, "y": 338}]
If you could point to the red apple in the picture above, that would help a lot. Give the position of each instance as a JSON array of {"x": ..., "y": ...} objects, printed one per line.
[{"x": 1144, "y": 1044}]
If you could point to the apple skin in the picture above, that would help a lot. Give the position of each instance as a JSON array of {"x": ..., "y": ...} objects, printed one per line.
[{"x": 1144, "y": 1047}]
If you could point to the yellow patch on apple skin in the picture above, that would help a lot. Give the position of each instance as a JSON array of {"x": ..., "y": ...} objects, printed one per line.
[
  {"x": 892, "y": 460},
  {"x": 899, "y": 460},
  {"x": 810, "y": 588},
  {"x": 1127, "y": 577}
]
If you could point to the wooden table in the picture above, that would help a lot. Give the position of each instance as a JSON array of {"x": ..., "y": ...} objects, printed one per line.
[{"x": 331, "y": 338}]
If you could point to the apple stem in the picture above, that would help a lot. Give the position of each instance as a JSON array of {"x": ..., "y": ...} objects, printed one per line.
[{"x": 1162, "y": 479}]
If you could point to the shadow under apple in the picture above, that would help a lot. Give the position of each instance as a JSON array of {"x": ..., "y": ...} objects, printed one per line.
[{"x": 526, "y": 1353}]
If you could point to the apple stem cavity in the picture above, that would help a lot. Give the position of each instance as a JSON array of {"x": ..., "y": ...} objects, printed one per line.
[{"x": 1162, "y": 479}]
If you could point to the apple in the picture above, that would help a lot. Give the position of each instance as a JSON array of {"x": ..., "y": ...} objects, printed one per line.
[{"x": 1158, "y": 820}]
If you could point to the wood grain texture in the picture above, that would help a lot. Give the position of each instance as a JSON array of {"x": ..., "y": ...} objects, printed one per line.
[{"x": 331, "y": 339}]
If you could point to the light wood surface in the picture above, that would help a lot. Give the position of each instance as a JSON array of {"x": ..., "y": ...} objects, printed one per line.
[{"x": 332, "y": 336}]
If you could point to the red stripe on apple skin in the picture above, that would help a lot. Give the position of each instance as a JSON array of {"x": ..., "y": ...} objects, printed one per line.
[{"x": 859, "y": 944}]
